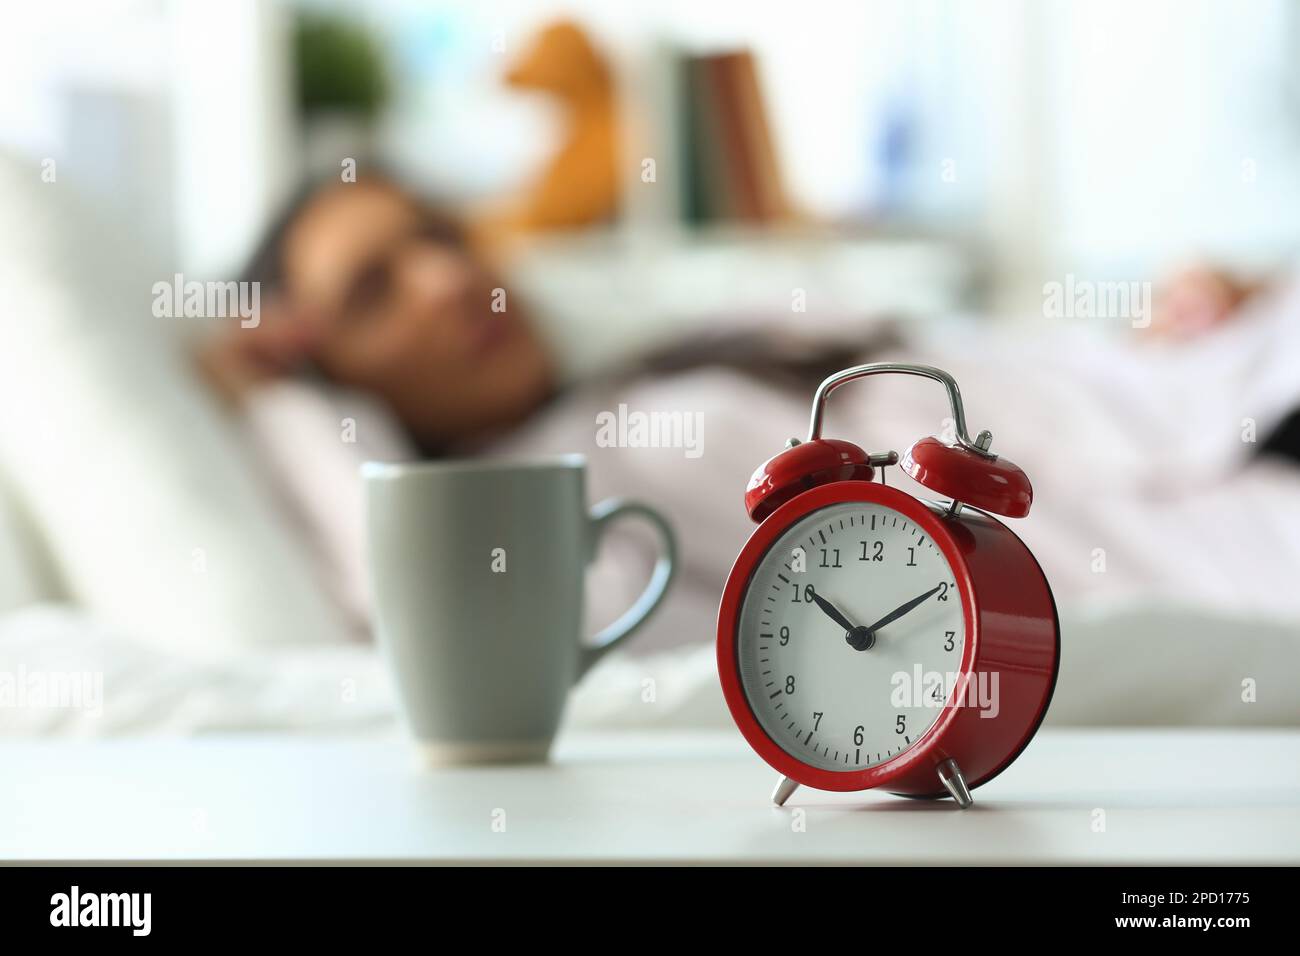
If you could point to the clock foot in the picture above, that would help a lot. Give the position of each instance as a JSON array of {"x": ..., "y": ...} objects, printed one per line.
[
  {"x": 783, "y": 791},
  {"x": 954, "y": 781}
]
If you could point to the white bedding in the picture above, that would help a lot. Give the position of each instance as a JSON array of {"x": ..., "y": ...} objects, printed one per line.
[
  {"x": 1136, "y": 454},
  {"x": 1139, "y": 665},
  {"x": 126, "y": 483}
]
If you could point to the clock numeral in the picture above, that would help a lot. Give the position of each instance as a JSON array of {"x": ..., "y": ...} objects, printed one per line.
[
  {"x": 900, "y": 725},
  {"x": 807, "y": 594},
  {"x": 785, "y": 637},
  {"x": 817, "y": 719},
  {"x": 877, "y": 551},
  {"x": 943, "y": 590},
  {"x": 789, "y": 684},
  {"x": 911, "y": 557},
  {"x": 950, "y": 639},
  {"x": 858, "y": 735},
  {"x": 834, "y": 551}
]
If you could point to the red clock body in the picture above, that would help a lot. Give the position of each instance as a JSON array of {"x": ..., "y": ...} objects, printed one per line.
[{"x": 1005, "y": 667}]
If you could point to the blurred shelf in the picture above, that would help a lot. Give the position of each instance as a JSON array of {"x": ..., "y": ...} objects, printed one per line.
[{"x": 605, "y": 294}]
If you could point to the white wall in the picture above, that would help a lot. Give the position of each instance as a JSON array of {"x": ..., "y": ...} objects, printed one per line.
[
  {"x": 1105, "y": 138},
  {"x": 1173, "y": 130},
  {"x": 235, "y": 142}
]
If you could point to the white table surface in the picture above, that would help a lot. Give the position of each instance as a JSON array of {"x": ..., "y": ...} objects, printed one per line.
[{"x": 1167, "y": 797}]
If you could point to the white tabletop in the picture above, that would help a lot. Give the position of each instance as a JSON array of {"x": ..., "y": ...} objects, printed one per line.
[{"x": 1164, "y": 797}]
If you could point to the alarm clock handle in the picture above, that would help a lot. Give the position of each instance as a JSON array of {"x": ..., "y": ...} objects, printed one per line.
[{"x": 979, "y": 445}]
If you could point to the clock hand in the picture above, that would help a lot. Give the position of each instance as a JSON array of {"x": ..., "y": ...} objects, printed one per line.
[
  {"x": 833, "y": 612},
  {"x": 898, "y": 612},
  {"x": 859, "y": 638}
]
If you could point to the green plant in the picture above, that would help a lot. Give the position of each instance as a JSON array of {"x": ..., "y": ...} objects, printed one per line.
[{"x": 339, "y": 67}]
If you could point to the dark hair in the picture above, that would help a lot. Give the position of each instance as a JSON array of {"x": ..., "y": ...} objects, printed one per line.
[{"x": 266, "y": 264}]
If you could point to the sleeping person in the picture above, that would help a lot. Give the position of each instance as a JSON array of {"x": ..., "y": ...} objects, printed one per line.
[
  {"x": 385, "y": 335},
  {"x": 381, "y": 338}
]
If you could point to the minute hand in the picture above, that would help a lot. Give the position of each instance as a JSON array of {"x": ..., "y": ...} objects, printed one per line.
[{"x": 898, "y": 612}]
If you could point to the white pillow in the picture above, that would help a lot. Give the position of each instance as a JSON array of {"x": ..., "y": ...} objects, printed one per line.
[
  {"x": 25, "y": 575},
  {"x": 149, "y": 505}
]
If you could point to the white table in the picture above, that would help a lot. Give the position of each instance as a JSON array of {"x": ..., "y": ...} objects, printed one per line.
[{"x": 1167, "y": 797}]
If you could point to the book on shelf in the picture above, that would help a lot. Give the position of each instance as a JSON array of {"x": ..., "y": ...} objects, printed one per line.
[{"x": 730, "y": 168}]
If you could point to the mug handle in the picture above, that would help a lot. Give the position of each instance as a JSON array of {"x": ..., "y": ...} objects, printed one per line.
[{"x": 602, "y": 516}]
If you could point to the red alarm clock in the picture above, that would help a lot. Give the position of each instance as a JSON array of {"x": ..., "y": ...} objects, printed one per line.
[{"x": 868, "y": 638}]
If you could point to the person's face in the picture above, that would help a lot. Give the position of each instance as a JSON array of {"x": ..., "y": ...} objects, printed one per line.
[{"x": 389, "y": 304}]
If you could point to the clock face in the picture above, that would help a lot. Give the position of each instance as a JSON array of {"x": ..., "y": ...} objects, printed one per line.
[{"x": 850, "y": 636}]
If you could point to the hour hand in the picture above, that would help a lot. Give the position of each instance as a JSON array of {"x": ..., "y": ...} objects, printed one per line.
[{"x": 833, "y": 612}]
